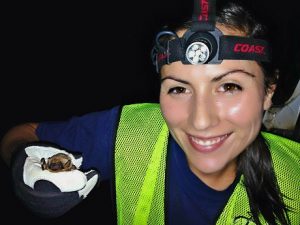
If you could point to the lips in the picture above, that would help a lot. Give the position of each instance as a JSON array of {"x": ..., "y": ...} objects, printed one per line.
[{"x": 210, "y": 144}]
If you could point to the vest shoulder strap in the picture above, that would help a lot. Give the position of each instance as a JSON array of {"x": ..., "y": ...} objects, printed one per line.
[
  {"x": 286, "y": 162},
  {"x": 140, "y": 165},
  {"x": 285, "y": 155}
]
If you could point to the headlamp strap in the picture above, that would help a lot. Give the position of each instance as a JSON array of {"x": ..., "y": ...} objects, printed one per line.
[
  {"x": 230, "y": 47},
  {"x": 204, "y": 15},
  {"x": 244, "y": 48}
]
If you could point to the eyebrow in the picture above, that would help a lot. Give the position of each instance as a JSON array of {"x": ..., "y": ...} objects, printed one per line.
[
  {"x": 221, "y": 76},
  {"x": 217, "y": 78},
  {"x": 173, "y": 78}
]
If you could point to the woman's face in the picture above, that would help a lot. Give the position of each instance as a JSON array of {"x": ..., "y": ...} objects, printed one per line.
[{"x": 213, "y": 111}]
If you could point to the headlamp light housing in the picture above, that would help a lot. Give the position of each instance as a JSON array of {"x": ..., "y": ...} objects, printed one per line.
[{"x": 201, "y": 47}]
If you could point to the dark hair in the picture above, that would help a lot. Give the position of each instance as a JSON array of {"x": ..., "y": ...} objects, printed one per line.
[{"x": 255, "y": 162}]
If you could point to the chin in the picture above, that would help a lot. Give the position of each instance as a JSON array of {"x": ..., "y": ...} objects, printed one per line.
[{"x": 211, "y": 167}]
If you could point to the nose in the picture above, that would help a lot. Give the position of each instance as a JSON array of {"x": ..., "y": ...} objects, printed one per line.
[{"x": 204, "y": 112}]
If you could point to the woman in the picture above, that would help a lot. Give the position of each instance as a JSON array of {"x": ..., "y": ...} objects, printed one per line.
[{"x": 215, "y": 167}]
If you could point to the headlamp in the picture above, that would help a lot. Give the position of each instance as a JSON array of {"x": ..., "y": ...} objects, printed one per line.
[{"x": 203, "y": 43}]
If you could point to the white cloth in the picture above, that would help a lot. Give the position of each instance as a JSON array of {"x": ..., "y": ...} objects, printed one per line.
[
  {"x": 284, "y": 117},
  {"x": 66, "y": 181}
]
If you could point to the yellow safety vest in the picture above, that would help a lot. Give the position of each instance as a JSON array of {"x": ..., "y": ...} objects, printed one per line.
[{"x": 140, "y": 166}]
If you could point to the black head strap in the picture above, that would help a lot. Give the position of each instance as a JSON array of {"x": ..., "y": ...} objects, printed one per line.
[
  {"x": 234, "y": 47},
  {"x": 204, "y": 15}
]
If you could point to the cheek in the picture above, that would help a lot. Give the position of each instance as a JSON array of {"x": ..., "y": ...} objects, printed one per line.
[
  {"x": 173, "y": 113},
  {"x": 244, "y": 111}
]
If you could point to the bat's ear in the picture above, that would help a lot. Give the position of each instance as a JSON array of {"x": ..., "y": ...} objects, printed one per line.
[
  {"x": 44, "y": 164},
  {"x": 68, "y": 163}
]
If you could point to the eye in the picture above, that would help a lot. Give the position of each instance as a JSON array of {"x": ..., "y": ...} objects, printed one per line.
[
  {"x": 230, "y": 87},
  {"x": 177, "y": 90}
]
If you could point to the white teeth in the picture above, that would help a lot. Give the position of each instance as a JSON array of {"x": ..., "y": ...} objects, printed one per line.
[{"x": 208, "y": 142}]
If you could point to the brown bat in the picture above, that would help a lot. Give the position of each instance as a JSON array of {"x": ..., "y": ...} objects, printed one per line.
[{"x": 57, "y": 163}]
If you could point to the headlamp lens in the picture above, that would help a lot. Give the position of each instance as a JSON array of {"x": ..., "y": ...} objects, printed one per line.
[{"x": 197, "y": 53}]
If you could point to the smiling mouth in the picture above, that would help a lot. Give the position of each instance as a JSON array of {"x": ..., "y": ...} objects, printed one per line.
[
  {"x": 208, "y": 144},
  {"x": 209, "y": 141}
]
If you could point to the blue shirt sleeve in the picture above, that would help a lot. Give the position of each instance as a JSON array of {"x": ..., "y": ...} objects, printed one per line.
[{"x": 92, "y": 135}]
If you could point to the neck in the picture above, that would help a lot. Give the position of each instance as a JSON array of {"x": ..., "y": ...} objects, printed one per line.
[{"x": 220, "y": 180}]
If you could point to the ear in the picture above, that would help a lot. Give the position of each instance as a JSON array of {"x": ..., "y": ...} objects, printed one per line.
[
  {"x": 67, "y": 164},
  {"x": 268, "y": 97}
]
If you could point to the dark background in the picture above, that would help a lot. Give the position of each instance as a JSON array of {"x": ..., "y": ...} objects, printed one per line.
[{"x": 61, "y": 60}]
